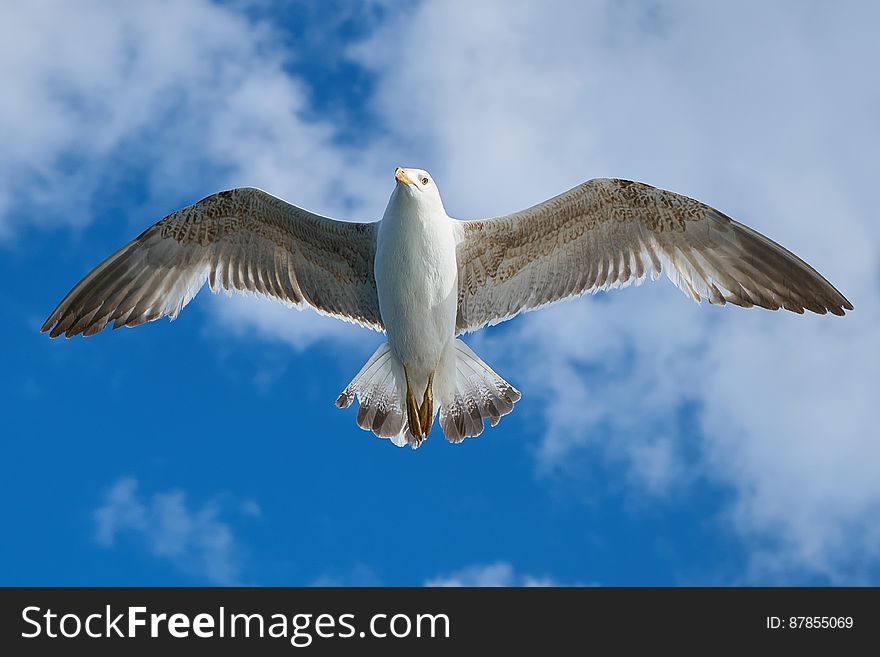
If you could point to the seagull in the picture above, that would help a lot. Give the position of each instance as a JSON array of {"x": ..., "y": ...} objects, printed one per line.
[{"x": 424, "y": 279}]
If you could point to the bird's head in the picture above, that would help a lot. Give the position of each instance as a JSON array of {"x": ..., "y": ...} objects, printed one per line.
[{"x": 418, "y": 187}]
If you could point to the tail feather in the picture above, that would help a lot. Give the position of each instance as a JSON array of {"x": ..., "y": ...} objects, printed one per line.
[
  {"x": 468, "y": 392},
  {"x": 476, "y": 393},
  {"x": 376, "y": 389}
]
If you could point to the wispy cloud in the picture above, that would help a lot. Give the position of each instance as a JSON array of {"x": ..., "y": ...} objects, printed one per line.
[
  {"x": 194, "y": 539},
  {"x": 212, "y": 107},
  {"x": 499, "y": 573},
  {"x": 779, "y": 407},
  {"x": 245, "y": 316}
]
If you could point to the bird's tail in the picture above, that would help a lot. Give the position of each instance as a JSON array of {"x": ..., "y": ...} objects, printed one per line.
[
  {"x": 467, "y": 391},
  {"x": 379, "y": 394}
]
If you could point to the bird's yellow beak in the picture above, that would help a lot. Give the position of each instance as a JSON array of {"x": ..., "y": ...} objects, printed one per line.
[{"x": 401, "y": 177}]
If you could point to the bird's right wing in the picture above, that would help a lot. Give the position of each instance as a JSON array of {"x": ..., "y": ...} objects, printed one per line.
[
  {"x": 240, "y": 240},
  {"x": 608, "y": 233}
]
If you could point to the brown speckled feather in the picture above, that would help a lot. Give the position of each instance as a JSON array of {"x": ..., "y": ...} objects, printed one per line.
[
  {"x": 609, "y": 233},
  {"x": 241, "y": 240}
]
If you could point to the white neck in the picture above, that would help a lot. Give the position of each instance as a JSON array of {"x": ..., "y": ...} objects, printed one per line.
[{"x": 408, "y": 205}]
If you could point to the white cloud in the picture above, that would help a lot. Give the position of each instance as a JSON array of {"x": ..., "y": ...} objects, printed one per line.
[
  {"x": 248, "y": 316},
  {"x": 194, "y": 84},
  {"x": 763, "y": 110},
  {"x": 195, "y": 540},
  {"x": 499, "y": 573},
  {"x": 191, "y": 97}
]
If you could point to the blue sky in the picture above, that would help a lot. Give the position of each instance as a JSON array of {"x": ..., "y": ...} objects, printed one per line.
[{"x": 657, "y": 442}]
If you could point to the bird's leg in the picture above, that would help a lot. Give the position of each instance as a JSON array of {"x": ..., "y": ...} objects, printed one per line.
[
  {"x": 412, "y": 411},
  {"x": 426, "y": 411}
]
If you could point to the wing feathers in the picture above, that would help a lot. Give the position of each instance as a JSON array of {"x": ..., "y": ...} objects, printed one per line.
[
  {"x": 610, "y": 233},
  {"x": 243, "y": 240}
]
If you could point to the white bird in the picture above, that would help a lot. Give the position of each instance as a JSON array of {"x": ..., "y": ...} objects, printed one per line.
[{"x": 424, "y": 279}]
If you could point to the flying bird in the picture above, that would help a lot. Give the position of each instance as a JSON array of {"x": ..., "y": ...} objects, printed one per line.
[{"x": 424, "y": 279}]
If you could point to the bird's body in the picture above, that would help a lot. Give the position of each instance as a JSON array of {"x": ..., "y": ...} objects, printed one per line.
[
  {"x": 424, "y": 279},
  {"x": 416, "y": 281},
  {"x": 416, "y": 271}
]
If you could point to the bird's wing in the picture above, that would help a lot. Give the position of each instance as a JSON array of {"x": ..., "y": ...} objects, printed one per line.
[
  {"x": 242, "y": 240},
  {"x": 608, "y": 233}
]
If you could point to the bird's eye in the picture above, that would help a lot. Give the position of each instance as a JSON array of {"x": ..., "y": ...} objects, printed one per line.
[{"x": 425, "y": 181}]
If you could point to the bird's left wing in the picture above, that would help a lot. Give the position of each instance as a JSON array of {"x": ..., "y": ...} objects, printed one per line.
[
  {"x": 609, "y": 233},
  {"x": 241, "y": 240}
]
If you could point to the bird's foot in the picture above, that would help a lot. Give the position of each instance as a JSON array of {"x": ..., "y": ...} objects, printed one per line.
[
  {"x": 413, "y": 417},
  {"x": 426, "y": 410}
]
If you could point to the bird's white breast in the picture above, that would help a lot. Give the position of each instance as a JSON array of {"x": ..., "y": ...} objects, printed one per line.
[{"x": 417, "y": 282}]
